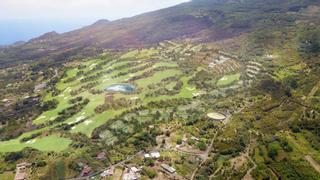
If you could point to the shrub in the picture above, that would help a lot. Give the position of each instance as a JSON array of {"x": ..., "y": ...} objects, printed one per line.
[
  {"x": 179, "y": 141},
  {"x": 151, "y": 173},
  {"x": 202, "y": 146}
]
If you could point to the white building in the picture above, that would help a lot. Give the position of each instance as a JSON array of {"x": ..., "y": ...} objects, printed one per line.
[{"x": 155, "y": 155}]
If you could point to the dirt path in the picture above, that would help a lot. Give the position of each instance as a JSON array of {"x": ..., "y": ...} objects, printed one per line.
[
  {"x": 248, "y": 175},
  {"x": 115, "y": 165},
  {"x": 251, "y": 145},
  {"x": 314, "y": 90},
  {"x": 313, "y": 163},
  {"x": 204, "y": 156}
]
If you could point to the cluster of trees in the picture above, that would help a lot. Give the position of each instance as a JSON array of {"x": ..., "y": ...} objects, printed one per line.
[
  {"x": 55, "y": 92},
  {"x": 164, "y": 91},
  {"x": 203, "y": 80},
  {"x": 83, "y": 88},
  {"x": 309, "y": 41},
  {"x": 151, "y": 173},
  {"x": 134, "y": 70},
  {"x": 25, "y": 139},
  {"x": 49, "y": 105},
  {"x": 145, "y": 140},
  {"x": 70, "y": 111},
  {"x": 75, "y": 100},
  {"x": 115, "y": 104}
]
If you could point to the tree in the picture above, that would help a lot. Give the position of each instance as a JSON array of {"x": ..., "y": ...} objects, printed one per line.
[
  {"x": 309, "y": 42},
  {"x": 149, "y": 162},
  {"x": 179, "y": 141},
  {"x": 13, "y": 156},
  {"x": 202, "y": 146},
  {"x": 151, "y": 173},
  {"x": 272, "y": 153}
]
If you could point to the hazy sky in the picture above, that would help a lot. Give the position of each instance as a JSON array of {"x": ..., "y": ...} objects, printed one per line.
[
  {"x": 77, "y": 9},
  {"x": 26, "y": 19}
]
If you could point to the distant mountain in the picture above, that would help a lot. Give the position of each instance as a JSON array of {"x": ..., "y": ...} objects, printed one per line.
[{"x": 200, "y": 20}]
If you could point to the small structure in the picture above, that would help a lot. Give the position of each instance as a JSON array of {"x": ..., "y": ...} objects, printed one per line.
[
  {"x": 5, "y": 100},
  {"x": 131, "y": 175},
  {"x": 195, "y": 138},
  {"x": 21, "y": 173},
  {"x": 134, "y": 98},
  {"x": 101, "y": 156},
  {"x": 40, "y": 87},
  {"x": 135, "y": 169},
  {"x": 108, "y": 172},
  {"x": 147, "y": 155},
  {"x": 155, "y": 155},
  {"x": 168, "y": 168},
  {"x": 86, "y": 170}
]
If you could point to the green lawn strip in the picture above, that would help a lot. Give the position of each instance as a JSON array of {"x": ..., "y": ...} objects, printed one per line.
[
  {"x": 49, "y": 143},
  {"x": 107, "y": 80},
  {"x": 187, "y": 90},
  {"x": 88, "y": 110},
  {"x": 170, "y": 85},
  {"x": 166, "y": 64},
  {"x": 100, "y": 119},
  {"x": 157, "y": 77},
  {"x": 228, "y": 79},
  {"x": 130, "y": 54},
  {"x": 52, "y": 114},
  {"x": 97, "y": 121}
]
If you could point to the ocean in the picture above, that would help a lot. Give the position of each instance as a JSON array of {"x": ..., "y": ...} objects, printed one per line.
[{"x": 12, "y": 31}]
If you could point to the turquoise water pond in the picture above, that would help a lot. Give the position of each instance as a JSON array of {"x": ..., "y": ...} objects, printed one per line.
[{"x": 126, "y": 88}]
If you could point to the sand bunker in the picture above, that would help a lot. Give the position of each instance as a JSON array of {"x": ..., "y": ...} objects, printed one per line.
[
  {"x": 31, "y": 141},
  {"x": 88, "y": 122}
]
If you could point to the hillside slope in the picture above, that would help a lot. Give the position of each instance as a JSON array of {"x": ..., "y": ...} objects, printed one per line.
[{"x": 203, "y": 20}]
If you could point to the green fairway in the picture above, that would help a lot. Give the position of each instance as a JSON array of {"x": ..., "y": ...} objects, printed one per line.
[
  {"x": 142, "y": 71},
  {"x": 228, "y": 79},
  {"x": 49, "y": 143},
  {"x": 157, "y": 77}
]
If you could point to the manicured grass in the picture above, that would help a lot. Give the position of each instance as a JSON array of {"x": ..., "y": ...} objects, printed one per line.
[
  {"x": 50, "y": 143},
  {"x": 92, "y": 119},
  {"x": 228, "y": 79},
  {"x": 157, "y": 77}
]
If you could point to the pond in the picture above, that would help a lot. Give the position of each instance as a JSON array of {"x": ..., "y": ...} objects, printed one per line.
[{"x": 125, "y": 88}]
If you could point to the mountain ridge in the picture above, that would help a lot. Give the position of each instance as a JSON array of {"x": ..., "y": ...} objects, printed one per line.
[{"x": 200, "y": 20}]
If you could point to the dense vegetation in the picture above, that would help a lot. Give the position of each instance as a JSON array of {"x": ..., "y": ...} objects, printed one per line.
[{"x": 263, "y": 80}]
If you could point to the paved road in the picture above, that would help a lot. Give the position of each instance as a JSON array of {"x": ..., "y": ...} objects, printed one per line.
[{"x": 204, "y": 156}]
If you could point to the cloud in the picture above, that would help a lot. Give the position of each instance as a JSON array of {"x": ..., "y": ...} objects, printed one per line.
[{"x": 77, "y": 9}]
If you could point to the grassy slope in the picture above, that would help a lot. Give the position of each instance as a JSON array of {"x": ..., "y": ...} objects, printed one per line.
[{"x": 50, "y": 143}]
